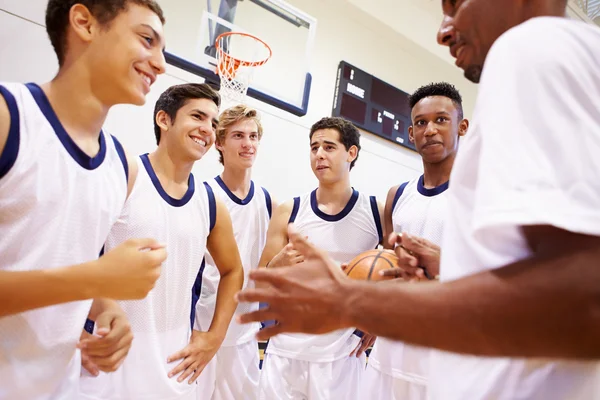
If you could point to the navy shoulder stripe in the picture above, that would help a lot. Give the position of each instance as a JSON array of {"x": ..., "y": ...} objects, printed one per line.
[
  {"x": 398, "y": 194},
  {"x": 268, "y": 201},
  {"x": 295, "y": 209},
  {"x": 376, "y": 217},
  {"x": 212, "y": 206},
  {"x": 122, "y": 156},
  {"x": 8, "y": 157}
]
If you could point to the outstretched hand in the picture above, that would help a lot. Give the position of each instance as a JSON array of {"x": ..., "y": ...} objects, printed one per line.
[{"x": 305, "y": 298}]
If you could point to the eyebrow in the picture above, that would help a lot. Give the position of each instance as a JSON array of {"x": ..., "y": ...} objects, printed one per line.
[
  {"x": 324, "y": 141},
  {"x": 205, "y": 115},
  {"x": 437, "y": 113},
  {"x": 155, "y": 35}
]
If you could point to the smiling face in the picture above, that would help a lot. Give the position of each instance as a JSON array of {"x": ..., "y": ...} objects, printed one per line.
[
  {"x": 240, "y": 144},
  {"x": 470, "y": 28},
  {"x": 435, "y": 128},
  {"x": 192, "y": 132},
  {"x": 329, "y": 159}
]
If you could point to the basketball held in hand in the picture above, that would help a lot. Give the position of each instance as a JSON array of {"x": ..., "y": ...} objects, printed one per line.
[{"x": 366, "y": 265}]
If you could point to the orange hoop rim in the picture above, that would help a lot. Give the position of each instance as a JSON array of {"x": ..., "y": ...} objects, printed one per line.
[{"x": 225, "y": 57}]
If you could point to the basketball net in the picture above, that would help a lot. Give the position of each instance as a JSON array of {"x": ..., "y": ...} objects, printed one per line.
[{"x": 238, "y": 55}]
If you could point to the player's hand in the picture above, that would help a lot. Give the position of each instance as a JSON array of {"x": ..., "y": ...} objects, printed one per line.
[
  {"x": 195, "y": 356},
  {"x": 366, "y": 341},
  {"x": 418, "y": 258},
  {"x": 286, "y": 257},
  {"x": 130, "y": 270},
  {"x": 106, "y": 351},
  {"x": 303, "y": 298}
]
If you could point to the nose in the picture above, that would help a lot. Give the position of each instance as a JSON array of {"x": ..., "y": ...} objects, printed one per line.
[
  {"x": 446, "y": 35},
  {"x": 158, "y": 62},
  {"x": 431, "y": 129},
  {"x": 246, "y": 142},
  {"x": 320, "y": 153}
]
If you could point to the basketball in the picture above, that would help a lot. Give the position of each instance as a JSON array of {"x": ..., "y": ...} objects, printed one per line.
[{"x": 366, "y": 265}]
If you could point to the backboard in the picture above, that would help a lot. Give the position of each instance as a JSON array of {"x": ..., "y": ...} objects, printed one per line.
[{"x": 284, "y": 81}]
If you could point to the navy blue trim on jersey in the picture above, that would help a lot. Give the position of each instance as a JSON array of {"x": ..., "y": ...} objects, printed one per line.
[
  {"x": 294, "y": 210},
  {"x": 170, "y": 200},
  {"x": 232, "y": 196},
  {"x": 76, "y": 153},
  {"x": 196, "y": 290},
  {"x": 398, "y": 194},
  {"x": 376, "y": 217},
  {"x": 332, "y": 218},
  {"x": 11, "y": 148},
  {"x": 268, "y": 201},
  {"x": 89, "y": 326},
  {"x": 433, "y": 191},
  {"x": 122, "y": 156},
  {"x": 212, "y": 206}
]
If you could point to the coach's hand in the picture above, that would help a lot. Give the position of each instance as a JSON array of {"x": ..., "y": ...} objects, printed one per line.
[
  {"x": 106, "y": 351},
  {"x": 286, "y": 256},
  {"x": 195, "y": 356},
  {"x": 366, "y": 341},
  {"x": 130, "y": 270},
  {"x": 303, "y": 298}
]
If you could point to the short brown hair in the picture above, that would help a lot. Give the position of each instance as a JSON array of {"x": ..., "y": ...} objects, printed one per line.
[
  {"x": 57, "y": 17},
  {"x": 232, "y": 116},
  {"x": 349, "y": 134},
  {"x": 175, "y": 97}
]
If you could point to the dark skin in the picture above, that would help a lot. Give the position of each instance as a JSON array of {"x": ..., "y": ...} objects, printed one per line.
[
  {"x": 545, "y": 305},
  {"x": 435, "y": 130}
]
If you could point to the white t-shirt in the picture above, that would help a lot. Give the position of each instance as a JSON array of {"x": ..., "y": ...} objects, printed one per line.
[{"x": 532, "y": 157}]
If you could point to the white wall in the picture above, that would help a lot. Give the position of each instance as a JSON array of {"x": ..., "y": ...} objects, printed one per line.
[{"x": 344, "y": 33}]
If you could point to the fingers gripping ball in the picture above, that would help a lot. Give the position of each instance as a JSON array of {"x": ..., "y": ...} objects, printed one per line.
[{"x": 366, "y": 265}]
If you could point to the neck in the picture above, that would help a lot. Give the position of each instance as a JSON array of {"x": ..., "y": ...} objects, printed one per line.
[
  {"x": 436, "y": 174},
  {"x": 237, "y": 180},
  {"x": 170, "y": 168},
  {"x": 336, "y": 193},
  {"x": 70, "y": 91}
]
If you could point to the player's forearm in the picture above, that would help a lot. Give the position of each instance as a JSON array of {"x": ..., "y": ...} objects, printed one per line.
[
  {"x": 101, "y": 305},
  {"x": 26, "y": 290},
  {"x": 231, "y": 282},
  {"x": 534, "y": 308}
]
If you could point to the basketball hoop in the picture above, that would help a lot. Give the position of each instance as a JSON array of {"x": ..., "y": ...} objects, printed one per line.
[{"x": 238, "y": 54}]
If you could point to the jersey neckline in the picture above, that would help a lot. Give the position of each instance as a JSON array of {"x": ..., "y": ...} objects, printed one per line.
[
  {"x": 161, "y": 191},
  {"x": 337, "y": 217}
]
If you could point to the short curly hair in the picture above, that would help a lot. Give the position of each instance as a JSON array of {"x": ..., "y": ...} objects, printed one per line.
[
  {"x": 57, "y": 17},
  {"x": 438, "y": 89},
  {"x": 349, "y": 134}
]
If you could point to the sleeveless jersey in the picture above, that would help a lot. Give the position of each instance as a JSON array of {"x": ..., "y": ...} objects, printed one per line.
[
  {"x": 421, "y": 212},
  {"x": 57, "y": 206},
  {"x": 357, "y": 228},
  {"x": 161, "y": 321},
  {"x": 250, "y": 218}
]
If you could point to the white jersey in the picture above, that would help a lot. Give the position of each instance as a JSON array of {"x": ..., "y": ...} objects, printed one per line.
[
  {"x": 161, "y": 322},
  {"x": 417, "y": 211},
  {"x": 357, "y": 228},
  {"x": 57, "y": 206},
  {"x": 250, "y": 218},
  {"x": 533, "y": 163}
]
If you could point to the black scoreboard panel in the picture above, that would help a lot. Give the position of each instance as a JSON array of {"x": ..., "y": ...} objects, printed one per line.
[{"x": 372, "y": 105}]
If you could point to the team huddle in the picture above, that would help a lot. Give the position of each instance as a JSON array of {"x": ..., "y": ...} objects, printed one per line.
[{"x": 119, "y": 273}]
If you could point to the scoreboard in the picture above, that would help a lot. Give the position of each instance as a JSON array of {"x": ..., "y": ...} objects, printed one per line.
[{"x": 372, "y": 105}]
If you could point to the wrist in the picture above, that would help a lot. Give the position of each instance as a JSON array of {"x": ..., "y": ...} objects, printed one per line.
[
  {"x": 77, "y": 280},
  {"x": 350, "y": 300}
]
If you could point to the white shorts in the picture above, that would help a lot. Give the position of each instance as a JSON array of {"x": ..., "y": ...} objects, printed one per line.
[
  {"x": 287, "y": 379},
  {"x": 233, "y": 374},
  {"x": 379, "y": 386}
]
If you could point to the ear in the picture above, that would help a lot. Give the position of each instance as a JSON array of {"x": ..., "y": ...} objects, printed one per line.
[
  {"x": 163, "y": 120},
  {"x": 463, "y": 127},
  {"x": 410, "y": 134},
  {"x": 218, "y": 144},
  {"x": 82, "y": 22},
  {"x": 352, "y": 153}
]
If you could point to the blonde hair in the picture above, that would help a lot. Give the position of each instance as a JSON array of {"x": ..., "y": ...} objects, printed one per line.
[{"x": 232, "y": 116}]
